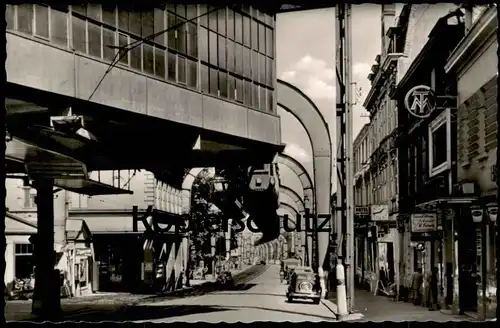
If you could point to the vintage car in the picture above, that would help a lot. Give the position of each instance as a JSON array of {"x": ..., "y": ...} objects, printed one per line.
[
  {"x": 288, "y": 266},
  {"x": 304, "y": 285}
]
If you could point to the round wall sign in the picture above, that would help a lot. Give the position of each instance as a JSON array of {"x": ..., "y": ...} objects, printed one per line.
[{"x": 420, "y": 101}]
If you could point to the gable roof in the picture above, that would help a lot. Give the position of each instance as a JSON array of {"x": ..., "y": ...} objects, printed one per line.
[
  {"x": 76, "y": 228},
  {"x": 18, "y": 225}
]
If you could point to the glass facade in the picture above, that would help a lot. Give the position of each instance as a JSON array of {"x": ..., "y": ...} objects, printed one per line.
[{"x": 227, "y": 53}]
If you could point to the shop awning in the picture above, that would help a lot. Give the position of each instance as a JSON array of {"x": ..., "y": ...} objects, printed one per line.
[{"x": 439, "y": 202}]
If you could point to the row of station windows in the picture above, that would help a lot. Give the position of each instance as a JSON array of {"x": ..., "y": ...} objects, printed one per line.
[{"x": 225, "y": 52}]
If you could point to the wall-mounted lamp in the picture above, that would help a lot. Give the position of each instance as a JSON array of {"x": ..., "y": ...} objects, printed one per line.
[
  {"x": 477, "y": 213},
  {"x": 492, "y": 210}
]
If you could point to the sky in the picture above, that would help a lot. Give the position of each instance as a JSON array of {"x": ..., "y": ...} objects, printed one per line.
[{"x": 305, "y": 46}]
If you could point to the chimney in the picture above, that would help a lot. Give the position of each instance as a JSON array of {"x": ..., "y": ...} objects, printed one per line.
[{"x": 388, "y": 16}]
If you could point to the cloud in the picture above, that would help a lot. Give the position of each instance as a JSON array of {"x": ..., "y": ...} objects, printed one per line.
[
  {"x": 313, "y": 76},
  {"x": 297, "y": 152},
  {"x": 361, "y": 70}
]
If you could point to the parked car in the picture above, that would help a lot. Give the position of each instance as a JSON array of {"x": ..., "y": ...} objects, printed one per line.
[
  {"x": 304, "y": 285},
  {"x": 289, "y": 266},
  {"x": 263, "y": 262},
  {"x": 225, "y": 279}
]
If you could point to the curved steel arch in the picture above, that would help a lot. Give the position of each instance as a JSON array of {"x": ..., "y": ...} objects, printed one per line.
[
  {"x": 294, "y": 196},
  {"x": 305, "y": 111},
  {"x": 302, "y": 174}
]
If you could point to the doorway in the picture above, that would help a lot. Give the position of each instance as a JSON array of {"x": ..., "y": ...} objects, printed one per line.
[{"x": 467, "y": 264}]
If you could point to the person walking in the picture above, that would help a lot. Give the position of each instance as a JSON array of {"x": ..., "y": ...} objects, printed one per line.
[
  {"x": 432, "y": 301},
  {"x": 416, "y": 284}
]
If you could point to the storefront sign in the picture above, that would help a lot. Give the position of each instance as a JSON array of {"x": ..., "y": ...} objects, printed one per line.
[
  {"x": 420, "y": 101},
  {"x": 361, "y": 210},
  {"x": 83, "y": 252},
  {"x": 380, "y": 213},
  {"x": 423, "y": 222}
]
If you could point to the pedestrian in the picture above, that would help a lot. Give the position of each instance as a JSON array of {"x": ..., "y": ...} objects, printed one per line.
[
  {"x": 416, "y": 284},
  {"x": 432, "y": 301}
]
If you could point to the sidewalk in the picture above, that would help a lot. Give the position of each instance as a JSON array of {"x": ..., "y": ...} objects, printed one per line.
[{"x": 380, "y": 308}]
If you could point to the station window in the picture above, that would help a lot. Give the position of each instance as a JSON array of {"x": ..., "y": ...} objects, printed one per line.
[{"x": 204, "y": 78}]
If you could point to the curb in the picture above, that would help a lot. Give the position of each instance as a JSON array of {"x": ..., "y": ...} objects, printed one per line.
[{"x": 333, "y": 308}]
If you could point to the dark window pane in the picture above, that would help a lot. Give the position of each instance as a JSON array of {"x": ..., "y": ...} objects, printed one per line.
[
  {"x": 109, "y": 14},
  {"x": 9, "y": 17},
  {"x": 270, "y": 20},
  {"x": 108, "y": 39},
  {"x": 221, "y": 19},
  {"x": 262, "y": 69},
  {"x": 42, "y": 21},
  {"x": 135, "y": 56},
  {"x": 160, "y": 63},
  {"x": 230, "y": 55},
  {"x": 230, "y": 24},
  {"x": 134, "y": 21},
  {"x": 192, "y": 36},
  {"x": 180, "y": 10},
  {"x": 269, "y": 42},
  {"x": 238, "y": 27},
  {"x": 246, "y": 31},
  {"x": 181, "y": 39},
  {"x": 269, "y": 71},
  {"x": 171, "y": 7},
  {"x": 262, "y": 97},
  {"x": 94, "y": 39},
  {"x": 255, "y": 66},
  {"x": 204, "y": 79},
  {"x": 192, "y": 74},
  {"x": 231, "y": 85},
  {"x": 191, "y": 12},
  {"x": 123, "y": 22},
  {"x": 222, "y": 52},
  {"x": 213, "y": 48},
  {"x": 247, "y": 62},
  {"x": 203, "y": 15},
  {"x": 148, "y": 23},
  {"x": 181, "y": 69},
  {"x": 212, "y": 19},
  {"x": 172, "y": 67},
  {"x": 439, "y": 148},
  {"x": 262, "y": 38},
  {"x": 148, "y": 59},
  {"x": 94, "y": 11},
  {"x": 123, "y": 41},
  {"x": 172, "y": 41},
  {"x": 203, "y": 39},
  {"x": 25, "y": 18},
  {"x": 270, "y": 104},
  {"x": 255, "y": 35},
  {"x": 248, "y": 93},
  {"x": 59, "y": 27},
  {"x": 238, "y": 54},
  {"x": 79, "y": 35},
  {"x": 245, "y": 8},
  {"x": 159, "y": 25},
  {"x": 214, "y": 85},
  {"x": 239, "y": 90},
  {"x": 255, "y": 92},
  {"x": 81, "y": 9},
  {"x": 262, "y": 17},
  {"x": 223, "y": 84}
]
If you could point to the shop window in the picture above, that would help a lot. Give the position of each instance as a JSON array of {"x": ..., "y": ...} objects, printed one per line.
[
  {"x": 223, "y": 84},
  {"x": 192, "y": 40},
  {"x": 230, "y": 24},
  {"x": 203, "y": 40},
  {"x": 212, "y": 47},
  {"x": 172, "y": 67},
  {"x": 262, "y": 39},
  {"x": 136, "y": 55},
  {"x": 204, "y": 78},
  {"x": 159, "y": 63},
  {"x": 94, "y": 37},
  {"x": 439, "y": 144},
  {"x": 59, "y": 27},
  {"x": 123, "y": 41},
  {"x": 230, "y": 56},
  {"x": 238, "y": 27},
  {"x": 214, "y": 85},
  {"x": 192, "y": 73},
  {"x": 24, "y": 261},
  {"x": 222, "y": 52},
  {"x": 255, "y": 35},
  {"x": 238, "y": 54},
  {"x": 181, "y": 70},
  {"x": 148, "y": 58},
  {"x": 232, "y": 87}
]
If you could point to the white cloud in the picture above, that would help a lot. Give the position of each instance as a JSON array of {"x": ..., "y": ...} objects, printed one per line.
[
  {"x": 361, "y": 70},
  {"x": 313, "y": 76},
  {"x": 297, "y": 152}
]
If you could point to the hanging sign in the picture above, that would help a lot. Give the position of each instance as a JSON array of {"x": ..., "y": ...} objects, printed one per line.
[
  {"x": 420, "y": 101},
  {"x": 423, "y": 222}
]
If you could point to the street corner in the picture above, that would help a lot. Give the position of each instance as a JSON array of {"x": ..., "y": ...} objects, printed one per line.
[{"x": 332, "y": 307}]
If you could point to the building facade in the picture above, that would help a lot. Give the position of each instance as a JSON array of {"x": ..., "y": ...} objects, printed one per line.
[{"x": 474, "y": 63}]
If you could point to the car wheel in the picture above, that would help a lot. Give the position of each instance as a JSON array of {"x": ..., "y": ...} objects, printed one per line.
[
  {"x": 316, "y": 301},
  {"x": 290, "y": 299}
]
